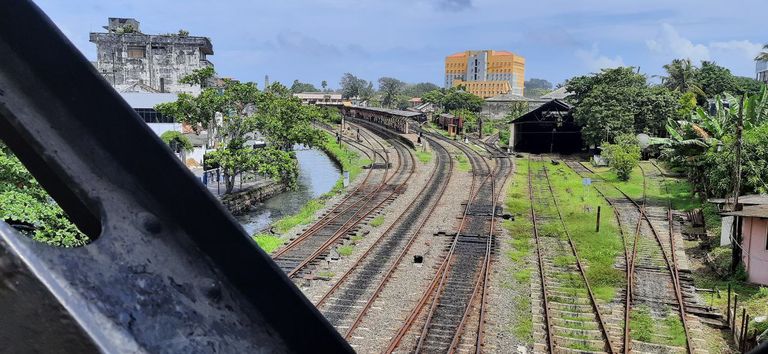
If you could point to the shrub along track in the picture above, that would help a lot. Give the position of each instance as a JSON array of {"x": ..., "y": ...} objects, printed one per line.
[
  {"x": 572, "y": 320},
  {"x": 370, "y": 196},
  {"x": 653, "y": 280},
  {"x": 457, "y": 292},
  {"x": 348, "y": 301}
]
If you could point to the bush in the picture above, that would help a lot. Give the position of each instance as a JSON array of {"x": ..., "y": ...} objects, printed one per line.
[
  {"x": 177, "y": 141},
  {"x": 623, "y": 156}
]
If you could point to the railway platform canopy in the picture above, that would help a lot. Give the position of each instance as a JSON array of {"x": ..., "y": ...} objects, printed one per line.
[
  {"x": 390, "y": 118},
  {"x": 550, "y": 128}
]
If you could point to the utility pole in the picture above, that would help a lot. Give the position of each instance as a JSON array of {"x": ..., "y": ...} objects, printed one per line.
[{"x": 736, "y": 254}]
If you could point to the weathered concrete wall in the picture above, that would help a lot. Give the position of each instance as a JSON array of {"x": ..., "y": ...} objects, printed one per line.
[
  {"x": 165, "y": 60},
  {"x": 241, "y": 202}
]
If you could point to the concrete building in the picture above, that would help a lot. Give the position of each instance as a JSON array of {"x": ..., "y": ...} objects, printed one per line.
[
  {"x": 762, "y": 71},
  {"x": 136, "y": 62},
  {"x": 320, "y": 98},
  {"x": 486, "y": 73},
  {"x": 754, "y": 242}
]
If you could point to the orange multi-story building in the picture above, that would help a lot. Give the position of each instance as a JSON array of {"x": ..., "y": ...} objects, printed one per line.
[{"x": 486, "y": 73}]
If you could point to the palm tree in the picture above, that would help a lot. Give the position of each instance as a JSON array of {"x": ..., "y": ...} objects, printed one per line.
[
  {"x": 681, "y": 76},
  {"x": 763, "y": 56}
]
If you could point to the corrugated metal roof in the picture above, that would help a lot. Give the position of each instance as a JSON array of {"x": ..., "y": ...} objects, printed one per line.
[
  {"x": 752, "y": 199},
  {"x": 559, "y": 94},
  {"x": 754, "y": 211},
  {"x": 147, "y": 100}
]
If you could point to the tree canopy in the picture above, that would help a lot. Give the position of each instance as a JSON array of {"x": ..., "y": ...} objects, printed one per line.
[
  {"x": 236, "y": 115},
  {"x": 299, "y": 87},
  {"x": 390, "y": 90},
  {"x": 352, "y": 86},
  {"x": 454, "y": 98}
]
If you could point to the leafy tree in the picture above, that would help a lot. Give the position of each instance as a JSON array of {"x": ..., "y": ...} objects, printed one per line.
[
  {"x": 435, "y": 97},
  {"x": 418, "y": 90},
  {"x": 199, "y": 77},
  {"x": 746, "y": 85},
  {"x": 581, "y": 86},
  {"x": 470, "y": 119},
  {"x": 299, "y": 87},
  {"x": 243, "y": 112},
  {"x": 455, "y": 98},
  {"x": 324, "y": 85},
  {"x": 714, "y": 79},
  {"x": 352, "y": 86},
  {"x": 538, "y": 84},
  {"x": 623, "y": 156},
  {"x": 686, "y": 104},
  {"x": 177, "y": 141},
  {"x": 390, "y": 88},
  {"x": 606, "y": 112},
  {"x": 516, "y": 110},
  {"x": 653, "y": 106},
  {"x": 27, "y": 206}
]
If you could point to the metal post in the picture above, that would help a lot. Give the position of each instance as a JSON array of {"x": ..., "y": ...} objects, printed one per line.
[
  {"x": 728, "y": 309},
  {"x": 597, "y": 227},
  {"x": 743, "y": 345},
  {"x": 735, "y": 303},
  {"x": 742, "y": 333}
]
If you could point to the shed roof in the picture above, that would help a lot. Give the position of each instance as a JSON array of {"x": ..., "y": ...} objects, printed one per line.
[
  {"x": 559, "y": 94},
  {"x": 755, "y": 211},
  {"x": 752, "y": 199},
  {"x": 551, "y": 109},
  {"x": 509, "y": 97},
  {"x": 394, "y": 112}
]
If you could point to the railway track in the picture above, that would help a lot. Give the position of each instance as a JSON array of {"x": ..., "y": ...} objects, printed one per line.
[
  {"x": 450, "y": 315},
  {"x": 653, "y": 279},
  {"x": 572, "y": 318},
  {"x": 348, "y": 301},
  {"x": 369, "y": 197}
]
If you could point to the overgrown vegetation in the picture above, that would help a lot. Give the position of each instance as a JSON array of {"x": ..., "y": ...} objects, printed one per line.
[
  {"x": 177, "y": 141},
  {"x": 424, "y": 156},
  {"x": 377, "y": 221},
  {"x": 268, "y": 243},
  {"x": 27, "y": 207},
  {"x": 622, "y": 156},
  {"x": 345, "y": 250}
]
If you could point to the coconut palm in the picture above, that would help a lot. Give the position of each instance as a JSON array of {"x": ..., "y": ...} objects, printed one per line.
[
  {"x": 681, "y": 75},
  {"x": 764, "y": 54}
]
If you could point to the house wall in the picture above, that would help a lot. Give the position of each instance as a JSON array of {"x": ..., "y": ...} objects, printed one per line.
[{"x": 755, "y": 255}]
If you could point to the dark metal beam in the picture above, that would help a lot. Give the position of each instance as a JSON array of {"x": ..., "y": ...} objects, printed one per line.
[{"x": 169, "y": 269}]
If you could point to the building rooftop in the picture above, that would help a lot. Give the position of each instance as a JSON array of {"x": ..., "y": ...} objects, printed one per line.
[
  {"x": 509, "y": 97},
  {"x": 141, "y": 39},
  {"x": 318, "y": 95},
  {"x": 754, "y": 211},
  {"x": 147, "y": 100},
  {"x": 558, "y": 94},
  {"x": 394, "y": 112},
  {"x": 752, "y": 199}
]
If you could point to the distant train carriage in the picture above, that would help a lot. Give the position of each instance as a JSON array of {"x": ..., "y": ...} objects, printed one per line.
[{"x": 450, "y": 123}]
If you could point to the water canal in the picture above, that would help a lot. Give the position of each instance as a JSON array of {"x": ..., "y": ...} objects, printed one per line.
[{"x": 317, "y": 175}]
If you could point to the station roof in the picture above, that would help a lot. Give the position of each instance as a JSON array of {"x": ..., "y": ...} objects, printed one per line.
[
  {"x": 393, "y": 112},
  {"x": 558, "y": 94}
]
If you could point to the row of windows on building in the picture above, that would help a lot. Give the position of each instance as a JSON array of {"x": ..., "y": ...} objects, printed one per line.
[{"x": 150, "y": 115}]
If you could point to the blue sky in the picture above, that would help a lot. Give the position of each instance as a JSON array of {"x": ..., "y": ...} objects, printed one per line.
[{"x": 408, "y": 39}]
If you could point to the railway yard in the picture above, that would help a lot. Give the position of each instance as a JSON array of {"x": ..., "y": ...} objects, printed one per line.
[{"x": 475, "y": 250}]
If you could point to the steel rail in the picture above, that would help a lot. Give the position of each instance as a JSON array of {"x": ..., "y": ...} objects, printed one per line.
[
  {"x": 483, "y": 277},
  {"x": 336, "y": 209},
  {"x": 540, "y": 262},
  {"x": 601, "y": 322},
  {"x": 388, "y": 274},
  {"x": 441, "y": 285},
  {"x": 409, "y": 322},
  {"x": 333, "y": 239}
]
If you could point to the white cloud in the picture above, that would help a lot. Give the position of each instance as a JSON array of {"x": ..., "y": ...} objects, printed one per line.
[
  {"x": 745, "y": 49},
  {"x": 594, "y": 61},
  {"x": 670, "y": 42}
]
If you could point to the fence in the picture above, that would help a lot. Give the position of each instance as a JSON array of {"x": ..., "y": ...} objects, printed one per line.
[
  {"x": 739, "y": 326},
  {"x": 213, "y": 179}
]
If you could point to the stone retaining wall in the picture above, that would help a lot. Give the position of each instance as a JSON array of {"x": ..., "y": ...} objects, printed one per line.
[{"x": 241, "y": 202}]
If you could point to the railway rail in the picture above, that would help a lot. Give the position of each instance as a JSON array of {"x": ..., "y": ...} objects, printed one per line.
[
  {"x": 368, "y": 198},
  {"x": 572, "y": 318},
  {"x": 648, "y": 260},
  {"x": 457, "y": 293},
  {"x": 349, "y": 300}
]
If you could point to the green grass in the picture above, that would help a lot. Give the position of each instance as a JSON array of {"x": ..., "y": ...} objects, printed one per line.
[
  {"x": 641, "y": 324},
  {"x": 268, "y": 243},
  {"x": 463, "y": 163},
  {"x": 325, "y": 274},
  {"x": 303, "y": 217},
  {"x": 356, "y": 238},
  {"x": 345, "y": 250},
  {"x": 523, "y": 275},
  {"x": 424, "y": 156},
  {"x": 674, "y": 329},
  {"x": 377, "y": 221},
  {"x": 350, "y": 160},
  {"x": 597, "y": 250},
  {"x": 522, "y": 326}
]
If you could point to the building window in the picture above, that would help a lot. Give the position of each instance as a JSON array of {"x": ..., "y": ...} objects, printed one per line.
[
  {"x": 136, "y": 52},
  {"x": 149, "y": 115}
]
